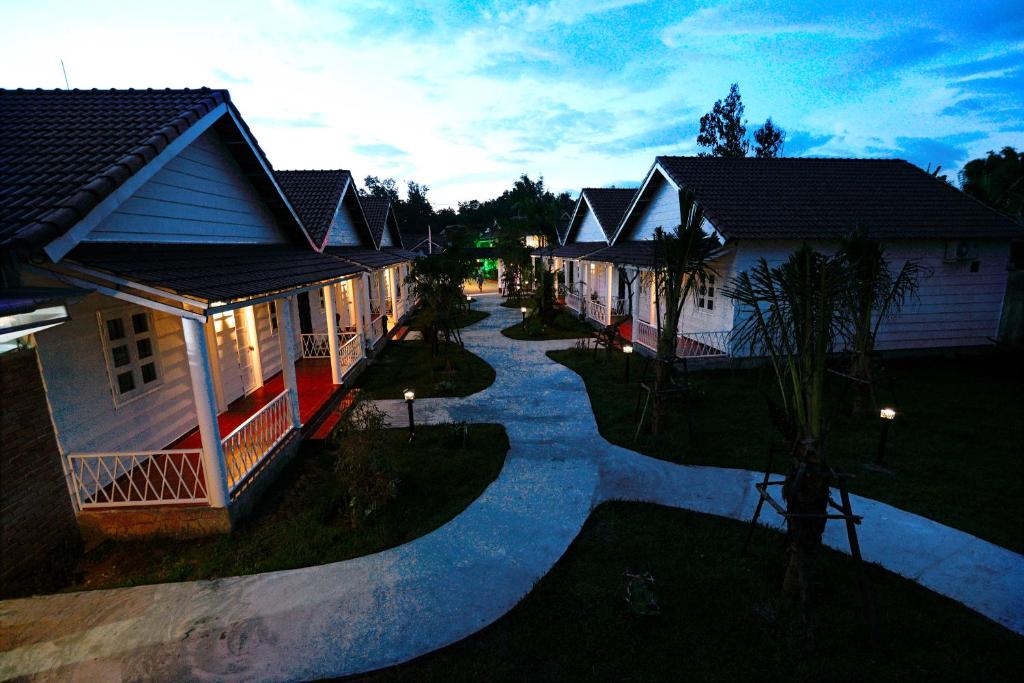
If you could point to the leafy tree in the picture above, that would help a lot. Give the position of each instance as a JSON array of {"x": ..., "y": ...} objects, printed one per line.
[
  {"x": 723, "y": 130},
  {"x": 385, "y": 189},
  {"x": 770, "y": 140},
  {"x": 795, "y": 314},
  {"x": 997, "y": 180},
  {"x": 681, "y": 265},
  {"x": 436, "y": 282},
  {"x": 362, "y": 464},
  {"x": 876, "y": 294}
]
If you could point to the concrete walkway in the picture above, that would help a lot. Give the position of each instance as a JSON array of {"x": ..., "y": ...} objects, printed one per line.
[{"x": 387, "y": 608}]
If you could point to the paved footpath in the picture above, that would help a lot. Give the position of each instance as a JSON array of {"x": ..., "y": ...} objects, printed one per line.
[{"x": 387, "y": 608}]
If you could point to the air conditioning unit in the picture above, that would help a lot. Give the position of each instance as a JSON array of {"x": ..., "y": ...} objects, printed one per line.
[{"x": 960, "y": 250}]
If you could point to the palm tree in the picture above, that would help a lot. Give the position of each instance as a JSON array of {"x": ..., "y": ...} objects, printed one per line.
[
  {"x": 795, "y": 314},
  {"x": 876, "y": 294},
  {"x": 436, "y": 283},
  {"x": 681, "y": 265}
]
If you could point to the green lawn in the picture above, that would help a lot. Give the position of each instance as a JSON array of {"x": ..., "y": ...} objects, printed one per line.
[
  {"x": 565, "y": 325},
  {"x": 407, "y": 364},
  {"x": 303, "y": 519},
  {"x": 519, "y": 302},
  {"x": 721, "y": 616},
  {"x": 955, "y": 445}
]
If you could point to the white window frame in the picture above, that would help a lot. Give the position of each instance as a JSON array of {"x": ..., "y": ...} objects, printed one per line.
[
  {"x": 704, "y": 297},
  {"x": 130, "y": 340},
  {"x": 272, "y": 322}
]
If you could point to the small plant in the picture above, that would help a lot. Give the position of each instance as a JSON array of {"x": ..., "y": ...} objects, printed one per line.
[
  {"x": 640, "y": 595},
  {"x": 455, "y": 435},
  {"x": 444, "y": 386},
  {"x": 361, "y": 466}
]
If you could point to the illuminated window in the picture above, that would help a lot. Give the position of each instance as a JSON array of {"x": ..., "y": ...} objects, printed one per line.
[{"x": 130, "y": 349}]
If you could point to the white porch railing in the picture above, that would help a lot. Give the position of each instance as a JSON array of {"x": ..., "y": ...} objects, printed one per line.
[
  {"x": 250, "y": 443},
  {"x": 597, "y": 310},
  {"x": 350, "y": 352},
  {"x": 688, "y": 344},
  {"x": 646, "y": 335},
  {"x": 620, "y": 306},
  {"x": 316, "y": 345},
  {"x": 137, "y": 478},
  {"x": 376, "y": 329},
  {"x": 572, "y": 300},
  {"x": 375, "y": 309}
]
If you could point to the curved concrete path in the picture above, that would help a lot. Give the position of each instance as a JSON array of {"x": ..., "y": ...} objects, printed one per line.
[{"x": 387, "y": 608}]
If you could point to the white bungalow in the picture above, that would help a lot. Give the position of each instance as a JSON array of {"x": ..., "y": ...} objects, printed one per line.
[
  {"x": 765, "y": 208},
  {"x": 179, "y": 384},
  {"x": 592, "y": 290}
]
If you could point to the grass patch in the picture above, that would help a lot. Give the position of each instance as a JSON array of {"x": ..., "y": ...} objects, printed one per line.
[
  {"x": 518, "y": 302},
  {"x": 564, "y": 325},
  {"x": 302, "y": 520},
  {"x": 955, "y": 446},
  {"x": 407, "y": 364},
  {"x": 721, "y": 616}
]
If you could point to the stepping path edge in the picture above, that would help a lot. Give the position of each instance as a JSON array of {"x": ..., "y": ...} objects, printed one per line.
[{"x": 387, "y": 608}]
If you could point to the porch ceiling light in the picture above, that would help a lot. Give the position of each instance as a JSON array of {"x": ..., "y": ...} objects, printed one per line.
[{"x": 887, "y": 414}]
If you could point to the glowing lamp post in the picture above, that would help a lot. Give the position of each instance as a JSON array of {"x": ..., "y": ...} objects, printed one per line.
[
  {"x": 887, "y": 415},
  {"x": 469, "y": 303},
  {"x": 628, "y": 350},
  {"x": 523, "y": 311},
  {"x": 410, "y": 396}
]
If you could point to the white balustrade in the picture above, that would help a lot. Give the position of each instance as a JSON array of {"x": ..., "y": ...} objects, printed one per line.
[
  {"x": 315, "y": 345},
  {"x": 597, "y": 311},
  {"x": 646, "y": 335},
  {"x": 253, "y": 440},
  {"x": 137, "y": 478},
  {"x": 351, "y": 351},
  {"x": 688, "y": 344},
  {"x": 376, "y": 328}
]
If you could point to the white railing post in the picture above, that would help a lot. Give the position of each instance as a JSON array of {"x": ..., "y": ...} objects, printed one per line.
[
  {"x": 206, "y": 411},
  {"x": 609, "y": 274},
  {"x": 287, "y": 339},
  {"x": 332, "y": 333}
]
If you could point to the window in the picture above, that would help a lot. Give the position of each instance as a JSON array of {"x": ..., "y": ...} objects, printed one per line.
[
  {"x": 272, "y": 314},
  {"x": 129, "y": 344},
  {"x": 706, "y": 293}
]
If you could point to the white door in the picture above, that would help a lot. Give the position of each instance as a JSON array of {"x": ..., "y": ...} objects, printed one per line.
[{"x": 248, "y": 358}]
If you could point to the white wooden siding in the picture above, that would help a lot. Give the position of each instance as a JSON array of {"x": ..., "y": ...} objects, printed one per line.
[
  {"x": 955, "y": 308},
  {"x": 385, "y": 238},
  {"x": 270, "y": 347},
  {"x": 590, "y": 230},
  {"x": 79, "y": 390},
  {"x": 343, "y": 231},
  {"x": 200, "y": 196},
  {"x": 660, "y": 210},
  {"x": 718, "y": 319}
]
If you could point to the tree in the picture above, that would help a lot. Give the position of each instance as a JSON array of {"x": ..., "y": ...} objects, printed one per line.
[
  {"x": 997, "y": 180},
  {"x": 795, "y": 314},
  {"x": 415, "y": 213},
  {"x": 877, "y": 293},
  {"x": 770, "y": 140},
  {"x": 681, "y": 265},
  {"x": 436, "y": 283},
  {"x": 723, "y": 129},
  {"x": 385, "y": 189}
]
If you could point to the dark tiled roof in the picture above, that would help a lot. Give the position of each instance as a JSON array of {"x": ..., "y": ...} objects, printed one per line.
[
  {"x": 14, "y": 300},
  {"x": 64, "y": 151},
  {"x": 577, "y": 249},
  {"x": 634, "y": 253},
  {"x": 609, "y": 205},
  {"x": 376, "y": 211},
  {"x": 213, "y": 272},
  {"x": 795, "y": 198},
  {"x": 315, "y": 196},
  {"x": 371, "y": 258},
  {"x": 405, "y": 254}
]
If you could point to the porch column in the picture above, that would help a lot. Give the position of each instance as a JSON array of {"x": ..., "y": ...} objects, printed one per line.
[
  {"x": 609, "y": 276},
  {"x": 365, "y": 312},
  {"x": 501, "y": 283},
  {"x": 287, "y": 341},
  {"x": 331, "y": 310},
  {"x": 206, "y": 412}
]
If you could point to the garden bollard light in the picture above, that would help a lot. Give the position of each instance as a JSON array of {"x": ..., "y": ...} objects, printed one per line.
[
  {"x": 410, "y": 396},
  {"x": 628, "y": 350},
  {"x": 523, "y": 311},
  {"x": 887, "y": 415}
]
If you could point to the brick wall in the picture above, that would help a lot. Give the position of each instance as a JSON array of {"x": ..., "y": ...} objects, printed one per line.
[{"x": 39, "y": 539}]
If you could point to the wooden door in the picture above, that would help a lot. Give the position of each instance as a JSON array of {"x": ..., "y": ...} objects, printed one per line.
[{"x": 245, "y": 341}]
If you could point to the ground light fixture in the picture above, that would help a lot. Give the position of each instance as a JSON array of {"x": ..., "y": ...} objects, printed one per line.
[
  {"x": 523, "y": 311},
  {"x": 469, "y": 303},
  {"x": 887, "y": 415},
  {"x": 628, "y": 350},
  {"x": 410, "y": 396}
]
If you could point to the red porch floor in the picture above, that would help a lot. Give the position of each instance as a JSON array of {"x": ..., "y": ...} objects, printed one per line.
[{"x": 313, "y": 376}]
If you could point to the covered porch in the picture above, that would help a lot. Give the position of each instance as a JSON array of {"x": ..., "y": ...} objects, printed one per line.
[{"x": 252, "y": 385}]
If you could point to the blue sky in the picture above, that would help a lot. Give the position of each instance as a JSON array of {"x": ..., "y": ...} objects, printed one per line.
[{"x": 465, "y": 96}]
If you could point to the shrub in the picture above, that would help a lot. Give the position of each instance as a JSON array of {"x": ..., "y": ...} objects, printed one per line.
[{"x": 362, "y": 468}]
